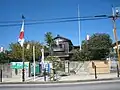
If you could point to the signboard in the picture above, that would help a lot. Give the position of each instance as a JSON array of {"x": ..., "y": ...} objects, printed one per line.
[
  {"x": 19, "y": 65},
  {"x": 37, "y": 69},
  {"x": 47, "y": 66}
]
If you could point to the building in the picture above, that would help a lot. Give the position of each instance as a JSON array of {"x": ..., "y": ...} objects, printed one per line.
[{"x": 62, "y": 48}]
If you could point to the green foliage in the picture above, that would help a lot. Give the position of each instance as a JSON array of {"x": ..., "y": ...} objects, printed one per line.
[
  {"x": 16, "y": 51},
  {"x": 49, "y": 41},
  {"x": 77, "y": 56},
  {"x": 4, "y": 57},
  {"x": 56, "y": 62},
  {"x": 97, "y": 48},
  {"x": 49, "y": 38},
  {"x": 52, "y": 58}
]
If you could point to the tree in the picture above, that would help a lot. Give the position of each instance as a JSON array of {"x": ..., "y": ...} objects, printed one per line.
[
  {"x": 4, "y": 58},
  {"x": 98, "y": 46},
  {"x": 78, "y": 55},
  {"x": 49, "y": 40},
  {"x": 16, "y": 51},
  {"x": 56, "y": 62}
]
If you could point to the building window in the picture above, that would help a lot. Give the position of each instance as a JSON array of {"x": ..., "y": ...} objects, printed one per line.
[{"x": 60, "y": 45}]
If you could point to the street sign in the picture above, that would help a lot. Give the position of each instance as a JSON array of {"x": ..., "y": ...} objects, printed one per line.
[{"x": 19, "y": 65}]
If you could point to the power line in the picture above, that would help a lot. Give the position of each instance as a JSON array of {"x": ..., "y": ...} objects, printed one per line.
[
  {"x": 55, "y": 20},
  {"x": 50, "y": 22},
  {"x": 19, "y": 21}
]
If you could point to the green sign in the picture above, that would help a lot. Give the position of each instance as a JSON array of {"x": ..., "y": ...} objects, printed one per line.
[
  {"x": 37, "y": 69},
  {"x": 19, "y": 65}
]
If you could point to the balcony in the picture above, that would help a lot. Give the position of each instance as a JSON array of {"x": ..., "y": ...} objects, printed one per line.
[{"x": 58, "y": 49}]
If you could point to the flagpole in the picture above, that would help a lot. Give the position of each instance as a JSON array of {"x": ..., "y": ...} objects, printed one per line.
[
  {"x": 79, "y": 39},
  {"x": 23, "y": 71},
  {"x": 23, "y": 59}
]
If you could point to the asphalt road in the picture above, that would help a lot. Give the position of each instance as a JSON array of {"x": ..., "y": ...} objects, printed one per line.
[{"x": 90, "y": 86}]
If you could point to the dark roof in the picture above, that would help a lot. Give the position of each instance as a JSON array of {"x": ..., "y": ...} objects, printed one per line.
[
  {"x": 76, "y": 47},
  {"x": 58, "y": 36}
]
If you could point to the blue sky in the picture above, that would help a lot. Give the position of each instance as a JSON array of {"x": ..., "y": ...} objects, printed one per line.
[{"x": 11, "y": 10}]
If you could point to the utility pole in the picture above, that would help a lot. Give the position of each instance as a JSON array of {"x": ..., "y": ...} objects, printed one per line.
[{"x": 114, "y": 17}]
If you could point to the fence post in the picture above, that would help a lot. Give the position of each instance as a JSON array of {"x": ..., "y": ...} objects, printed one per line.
[
  {"x": 94, "y": 67},
  {"x": 118, "y": 71},
  {"x": 0, "y": 75},
  {"x": 44, "y": 74},
  {"x": 29, "y": 70},
  {"x": 68, "y": 66},
  {"x": 95, "y": 72}
]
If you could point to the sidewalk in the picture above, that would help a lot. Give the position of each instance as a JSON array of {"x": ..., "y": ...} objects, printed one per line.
[
  {"x": 27, "y": 79},
  {"x": 88, "y": 77},
  {"x": 64, "y": 78}
]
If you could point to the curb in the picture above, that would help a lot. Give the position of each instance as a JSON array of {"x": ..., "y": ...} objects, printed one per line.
[{"x": 52, "y": 82}]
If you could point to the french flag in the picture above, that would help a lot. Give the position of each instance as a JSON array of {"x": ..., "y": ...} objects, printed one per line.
[{"x": 21, "y": 36}]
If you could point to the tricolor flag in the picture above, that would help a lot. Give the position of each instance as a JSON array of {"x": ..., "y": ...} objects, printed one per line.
[{"x": 21, "y": 36}]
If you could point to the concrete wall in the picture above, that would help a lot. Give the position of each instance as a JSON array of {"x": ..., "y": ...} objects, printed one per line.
[
  {"x": 74, "y": 65},
  {"x": 101, "y": 67}
]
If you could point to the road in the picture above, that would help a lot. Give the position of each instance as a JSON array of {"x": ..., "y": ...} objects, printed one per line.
[{"x": 89, "y": 86}]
